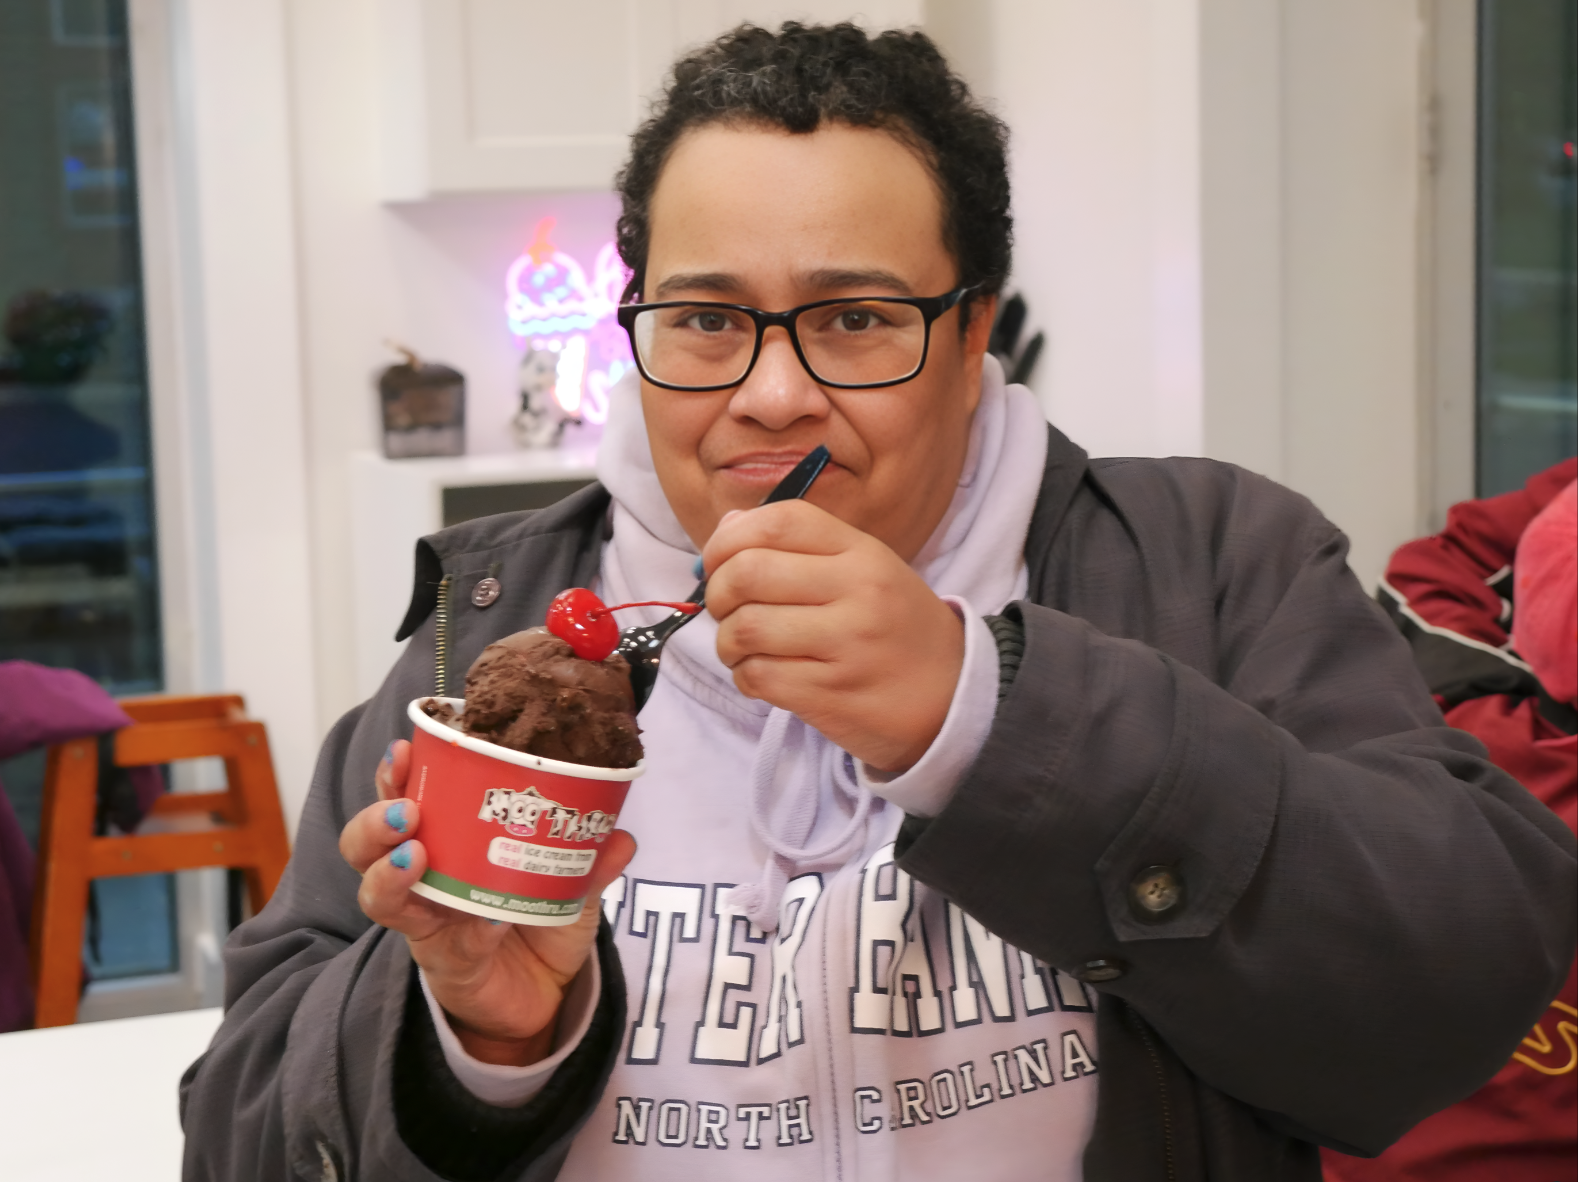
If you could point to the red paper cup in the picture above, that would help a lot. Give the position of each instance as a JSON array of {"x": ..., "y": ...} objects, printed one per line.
[{"x": 509, "y": 836}]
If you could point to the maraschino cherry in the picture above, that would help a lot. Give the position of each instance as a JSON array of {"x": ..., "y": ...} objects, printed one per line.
[{"x": 586, "y": 624}]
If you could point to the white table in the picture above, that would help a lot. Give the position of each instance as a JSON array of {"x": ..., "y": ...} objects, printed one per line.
[{"x": 97, "y": 1100}]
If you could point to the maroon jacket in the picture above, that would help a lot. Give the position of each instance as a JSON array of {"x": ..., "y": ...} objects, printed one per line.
[{"x": 1452, "y": 594}]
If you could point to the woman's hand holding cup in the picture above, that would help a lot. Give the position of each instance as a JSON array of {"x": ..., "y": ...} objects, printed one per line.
[{"x": 501, "y": 984}]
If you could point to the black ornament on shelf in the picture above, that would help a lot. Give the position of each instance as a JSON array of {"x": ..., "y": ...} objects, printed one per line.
[
  {"x": 1018, "y": 364},
  {"x": 424, "y": 408}
]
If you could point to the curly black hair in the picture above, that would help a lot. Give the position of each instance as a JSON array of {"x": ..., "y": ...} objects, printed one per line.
[{"x": 804, "y": 74}]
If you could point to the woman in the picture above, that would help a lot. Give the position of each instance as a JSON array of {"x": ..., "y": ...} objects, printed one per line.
[{"x": 979, "y": 733}]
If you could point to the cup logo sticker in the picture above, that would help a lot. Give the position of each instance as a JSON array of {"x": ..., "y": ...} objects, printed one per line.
[{"x": 522, "y": 813}]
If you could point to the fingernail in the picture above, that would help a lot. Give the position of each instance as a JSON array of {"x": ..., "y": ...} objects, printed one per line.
[
  {"x": 395, "y": 816},
  {"x": 400, "y": 859},
  {"x": 495, "y": 922},
  {"x": 389, "y": 753},
  {"x": 699, "y": 569}
]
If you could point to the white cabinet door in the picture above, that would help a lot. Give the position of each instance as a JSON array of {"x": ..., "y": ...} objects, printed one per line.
[{"x": 520, "y": 95}]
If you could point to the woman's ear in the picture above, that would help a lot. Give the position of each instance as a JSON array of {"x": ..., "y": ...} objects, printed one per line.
[{"x": 983, "y": 314}]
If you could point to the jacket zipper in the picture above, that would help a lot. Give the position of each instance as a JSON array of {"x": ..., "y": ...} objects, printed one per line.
[
  {"x": 1161, "y": 1087},
  {"x": 441, "y": 640}
]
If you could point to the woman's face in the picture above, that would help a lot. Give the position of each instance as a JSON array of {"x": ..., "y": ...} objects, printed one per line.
[{"x": 758, "y": 216}]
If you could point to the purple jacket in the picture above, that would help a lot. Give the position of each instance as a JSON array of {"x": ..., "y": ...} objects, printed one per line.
[{"x": 39, "y": 707}]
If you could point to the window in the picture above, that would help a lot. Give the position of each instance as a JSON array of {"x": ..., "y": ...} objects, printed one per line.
[
  {"x": 1527, "y": 414},
  {"x": 79, "y": 581}
]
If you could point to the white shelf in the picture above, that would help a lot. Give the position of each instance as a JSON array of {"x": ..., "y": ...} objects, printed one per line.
[
  {"x": 395, "y": 502},
  {"x": 518, "y": 467}
]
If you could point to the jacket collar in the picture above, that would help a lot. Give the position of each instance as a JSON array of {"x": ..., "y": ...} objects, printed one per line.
[
  {"x": 580, "y": 519},
  {"x": 1065, "y": 470}
]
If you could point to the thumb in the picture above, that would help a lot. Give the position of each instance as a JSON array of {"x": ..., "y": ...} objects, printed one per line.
[{"x": 611, "y": 862}]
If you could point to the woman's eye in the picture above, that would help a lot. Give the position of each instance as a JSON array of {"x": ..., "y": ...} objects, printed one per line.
[
  {"x": 854, "y": 320},
  {"x": 710, "y": 321}
]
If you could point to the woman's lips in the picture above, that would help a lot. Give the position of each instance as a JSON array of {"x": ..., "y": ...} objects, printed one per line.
[{"x": 764, "y": 468}]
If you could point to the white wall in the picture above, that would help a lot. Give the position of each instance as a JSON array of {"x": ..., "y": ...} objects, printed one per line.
[
  {"x": 230, "y": 457},
  {"x": 1102, "y": 105},
  {"x": 1218, "y": 218},
  {"x": 1352, "y": 180},
  {"x": 1100, "y": 101}
]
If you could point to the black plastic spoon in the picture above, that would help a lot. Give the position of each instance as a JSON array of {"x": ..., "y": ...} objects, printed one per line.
[{"x": 642, "y": 645}]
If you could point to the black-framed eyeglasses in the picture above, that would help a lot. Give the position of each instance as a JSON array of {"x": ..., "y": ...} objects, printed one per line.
[{"x": 851, "y": 344}]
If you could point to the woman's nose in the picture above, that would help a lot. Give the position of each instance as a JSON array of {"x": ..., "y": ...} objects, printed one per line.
[{"x": 778, "y": 391}]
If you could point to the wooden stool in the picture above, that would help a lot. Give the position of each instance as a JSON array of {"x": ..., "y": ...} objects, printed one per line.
[{"x": 240, "y": 827}]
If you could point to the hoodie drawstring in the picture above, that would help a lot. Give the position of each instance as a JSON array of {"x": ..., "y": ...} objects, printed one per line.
[{"x": 783, "y": 815}]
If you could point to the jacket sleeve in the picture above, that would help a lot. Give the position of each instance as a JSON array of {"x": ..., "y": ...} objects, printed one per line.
[
  {"x": 318, "y": 1071},
  {"x": 1370, "y": 915}
]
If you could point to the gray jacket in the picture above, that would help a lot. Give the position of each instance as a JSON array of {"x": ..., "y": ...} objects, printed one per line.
[{"x": 1358, "y": 917}]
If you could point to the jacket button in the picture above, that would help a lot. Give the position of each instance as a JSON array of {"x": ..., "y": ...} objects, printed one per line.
[
  {"x": 1097, "y": 971},
  {"x": 485, "y": 592},
  {"x": 1156, "y": 893}
]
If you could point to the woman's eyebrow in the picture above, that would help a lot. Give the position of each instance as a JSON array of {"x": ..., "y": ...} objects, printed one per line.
[
  {"x": 827, "y": 279},
  {"x": 840, "y": 279},
  {"x": 720, "y": 282}
]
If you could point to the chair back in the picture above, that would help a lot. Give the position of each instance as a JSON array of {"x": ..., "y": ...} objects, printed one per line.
[{"x": 241, "y": 826}]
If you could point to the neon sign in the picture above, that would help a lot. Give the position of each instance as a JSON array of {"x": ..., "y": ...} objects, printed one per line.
[{"x": 554, "y": 307}]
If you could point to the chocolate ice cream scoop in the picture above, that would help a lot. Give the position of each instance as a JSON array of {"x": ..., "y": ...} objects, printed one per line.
[{"x": 530, "y": 692}]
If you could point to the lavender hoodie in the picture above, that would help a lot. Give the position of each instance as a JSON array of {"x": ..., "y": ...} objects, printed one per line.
[{"x": 864, "y": 1027}]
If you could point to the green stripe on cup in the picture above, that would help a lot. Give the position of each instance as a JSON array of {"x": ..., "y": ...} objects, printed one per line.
[{"x": 503, "y": 900}]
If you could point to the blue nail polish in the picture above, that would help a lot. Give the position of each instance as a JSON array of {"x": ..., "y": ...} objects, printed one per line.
[
  {"x": 395, "y": 816},
  {"x": 389, "y": 753},
  {"x": 699, "y": 569},
  {"x": 495, "y": 922},
  {"x": 401, "y": 858}
]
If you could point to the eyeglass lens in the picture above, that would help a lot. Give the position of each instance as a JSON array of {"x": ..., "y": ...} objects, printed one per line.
[{"x": 861, "y": 342}]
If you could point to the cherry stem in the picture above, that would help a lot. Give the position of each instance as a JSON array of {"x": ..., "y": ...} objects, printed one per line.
[{"x": 689, "y": 609}]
